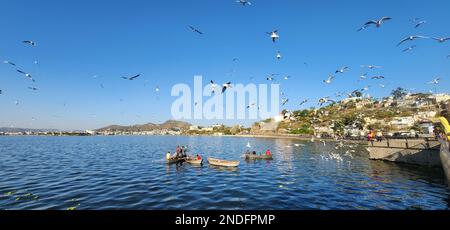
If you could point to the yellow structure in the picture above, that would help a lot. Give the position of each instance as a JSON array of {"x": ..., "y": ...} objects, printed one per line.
[{"x": 446, "y": 125}]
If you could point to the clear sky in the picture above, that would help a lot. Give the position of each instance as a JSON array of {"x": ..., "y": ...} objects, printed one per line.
[{"x": 77, "y": 40}]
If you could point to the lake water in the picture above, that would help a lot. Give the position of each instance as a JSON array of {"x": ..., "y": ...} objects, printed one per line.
[{"x": 128, "y": 172}]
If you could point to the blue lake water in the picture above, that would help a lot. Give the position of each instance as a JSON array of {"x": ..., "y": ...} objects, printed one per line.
[{"x": 129, "y": 172}]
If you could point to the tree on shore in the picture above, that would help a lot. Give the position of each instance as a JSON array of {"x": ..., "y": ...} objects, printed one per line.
[{"x": 398, "y": 93}]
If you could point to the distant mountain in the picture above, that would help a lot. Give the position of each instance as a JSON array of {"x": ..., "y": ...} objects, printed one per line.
[
  {"x": 16, "y": 130},
  {"x": 169, "y": 125}
]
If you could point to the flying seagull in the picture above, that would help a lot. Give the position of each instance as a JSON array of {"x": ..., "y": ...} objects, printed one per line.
[
  {"x": 32, "y": 88},
  {"x": 435, "y": 81},
  {"x": 26, "y": 74},
  {"x": 342, "y": 70},
  {"x": 303, "y": 102},
  {"x": 287, "y": 77},
  {"x": 441, "y": 40},
  {"x": 195, "y": 30},
  {"x": 274, "y": 35},
  {"x": 213, "y": 86},
  {"x": 362, "y": 77},
  {"x": 420, "y": 23},
  {"x": 1, "y": 91},
  {"x": 329, "y": 79},
  {"x": 371, "y": 66},
  {"x": 226, "y": 86},
  {"x": 8, "y": 62},
  {"x": 325, "y": 100},
  {"x": 244, "y": 2},
  {"x": 278, "y": 55},
  {"x": 284, "y": 101},
  {"x": 131, "y": 78},
  {"x": 378, "y": 77},
  {"x": 409, "y": 48},
  {"x": 410, "y": 38},
  {"x": 271, "y": 78},
  {"x": 32, "y": 43},
  {"x": 374, "y": 22}
]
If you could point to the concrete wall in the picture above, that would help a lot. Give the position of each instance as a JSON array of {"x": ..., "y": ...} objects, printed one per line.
[
  {"x": 417, "y": 151},
  {"x": 445, "y": 159}
]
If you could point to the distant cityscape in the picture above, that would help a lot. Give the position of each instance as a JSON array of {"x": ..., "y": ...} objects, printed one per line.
[{"x": 399, "y": 114}]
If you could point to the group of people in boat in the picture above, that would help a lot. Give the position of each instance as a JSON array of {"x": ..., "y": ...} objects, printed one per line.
[
  {"x": 268, "y": 153},
  {"x": 181, "y": 152}
]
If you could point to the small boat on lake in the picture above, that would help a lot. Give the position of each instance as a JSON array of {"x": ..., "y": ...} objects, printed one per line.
[
  {"x": 175, "y": 160},
  {"x": 258, "y": 157},
  {"x": 194, "y": 160},
  {"x": 224, "y": 163}
]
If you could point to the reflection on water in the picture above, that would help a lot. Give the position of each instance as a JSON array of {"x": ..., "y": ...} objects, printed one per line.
[{"x": 131, "y": 173}]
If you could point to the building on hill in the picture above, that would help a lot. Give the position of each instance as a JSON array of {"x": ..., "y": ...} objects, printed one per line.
[{"x": 401, "y": 123}]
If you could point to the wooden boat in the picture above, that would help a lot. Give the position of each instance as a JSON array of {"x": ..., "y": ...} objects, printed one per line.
[
  {"x": 258, "y": 157},
  {"x": 224, "y": 163},
  {"x": 175, "y": 160},
  {"x": 194, "y": 160}
]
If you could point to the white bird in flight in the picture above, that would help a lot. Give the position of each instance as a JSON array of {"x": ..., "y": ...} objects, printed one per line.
[
  {"x": 244, "y": 2},
  {"x": 32, "y": 43},
  {"x": 441, "y": 40},
  {"x": 279, "y": 55},
  {"x": 274, "y": 35},
  {"x": 9, "y": 63},
  {"x": 409, "y": 48},
  {"x": 374, "y": 22},
  {"x": 371, "y": 66},
  {"x": 342, "y": 70},
  {"x": 26, "y": 75},
  {"x": 329, "y": 79},
  {"x": 435, "y": 81},
  {"x": 410, "y": 38}
]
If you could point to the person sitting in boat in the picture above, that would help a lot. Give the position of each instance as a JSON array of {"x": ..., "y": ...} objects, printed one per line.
[
  {"x": 168, "y": 155},
  {"x": 247, "y": 152},
  {"x": 178, "y": 151},
  {"x": 268, "y": 153},
  {"x": 254, "y": 153},
  {"x": 199, "y": 157},
  {"x": 183, "y": 151}
]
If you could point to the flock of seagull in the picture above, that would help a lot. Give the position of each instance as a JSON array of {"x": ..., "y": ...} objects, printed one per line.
[{"x": 274, "y": 37}]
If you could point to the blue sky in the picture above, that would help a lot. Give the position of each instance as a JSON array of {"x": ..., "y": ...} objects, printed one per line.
[{"x": 77, "y": 40}]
